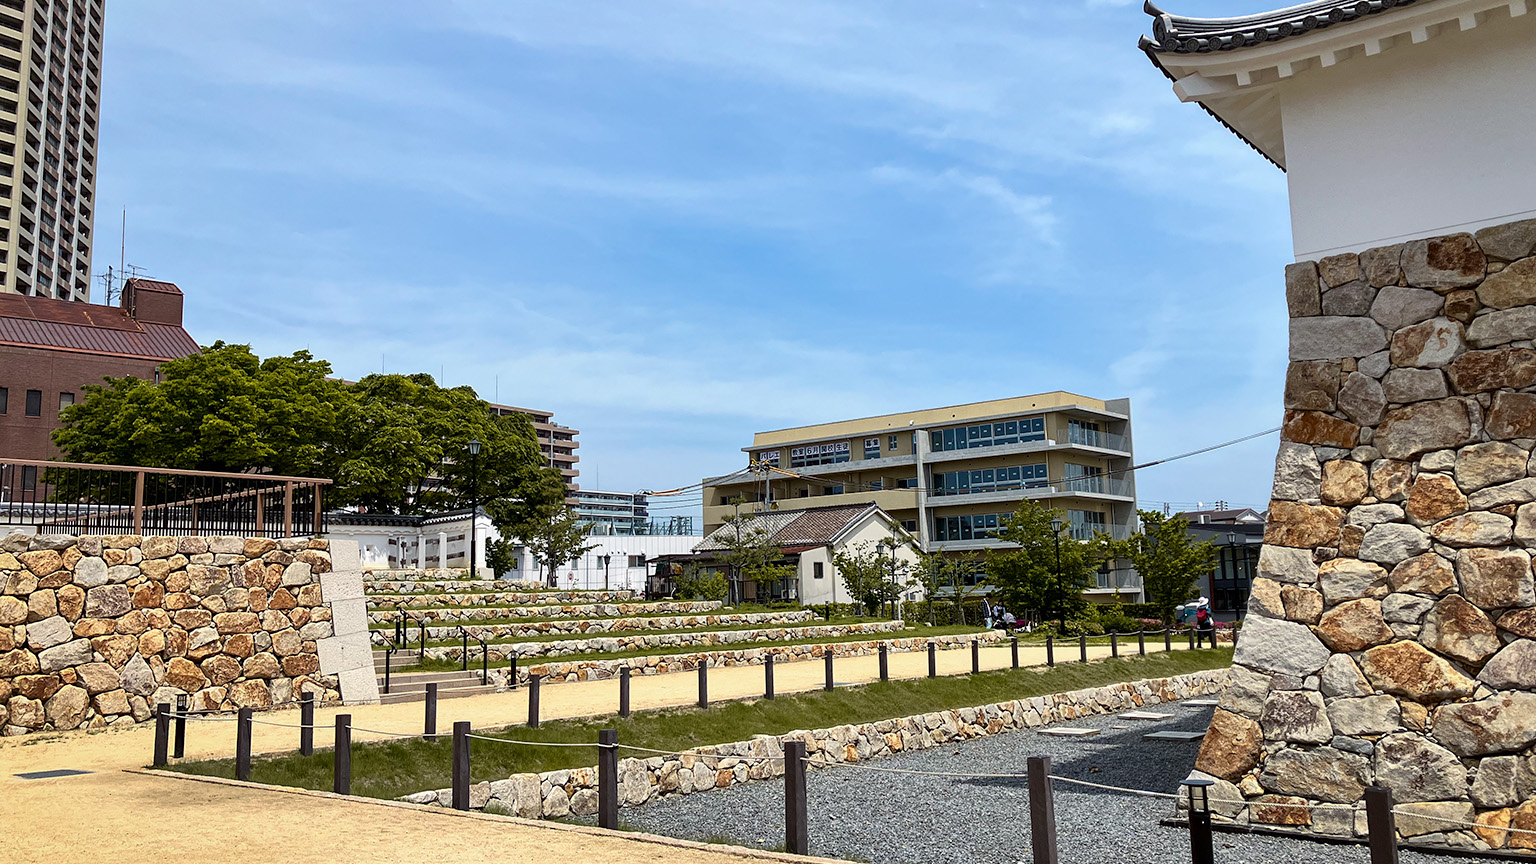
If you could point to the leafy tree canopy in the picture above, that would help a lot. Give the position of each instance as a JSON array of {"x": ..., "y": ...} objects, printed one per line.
[
  {"x": 873, "y": 577},
  {"x": 1169, "y": 562},
  {"x": 1047, "y": 572},
  {"x": 392, "y": 443}
]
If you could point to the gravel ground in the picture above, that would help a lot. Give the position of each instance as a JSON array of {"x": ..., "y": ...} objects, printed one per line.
[{"x": 909, "y": 819}]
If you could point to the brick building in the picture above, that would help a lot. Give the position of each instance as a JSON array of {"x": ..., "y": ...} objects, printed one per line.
[{"x": 50, "y": 349}]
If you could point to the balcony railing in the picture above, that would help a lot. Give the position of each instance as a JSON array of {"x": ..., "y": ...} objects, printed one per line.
[
  {"x": 1097, "y": 484},
  {"x": 76, "y": 498},
  {"x": 1094, "y": 438},
  {"x": 1121, "y": 579}
]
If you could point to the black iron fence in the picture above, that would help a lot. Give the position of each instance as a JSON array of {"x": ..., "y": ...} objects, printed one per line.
[{"x": 77, "y": 498}]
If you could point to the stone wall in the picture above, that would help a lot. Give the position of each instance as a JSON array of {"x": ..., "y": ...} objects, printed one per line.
[
  {"x": 662, "y": 664},
  {"x": 626, "y": 642},
  {"x": 556, "y": 794},
  {"x": 580, "y": 626},
  {"x": 94, "y": 631},
  {"x": 498, "y": 605},
  {"x": 1389, "y": 634}
]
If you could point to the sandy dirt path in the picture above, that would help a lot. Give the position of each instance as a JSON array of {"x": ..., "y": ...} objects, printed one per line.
[{"x": 111, "y": 816}]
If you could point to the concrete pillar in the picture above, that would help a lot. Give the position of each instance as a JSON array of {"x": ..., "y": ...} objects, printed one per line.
[{"x": 442, "y": 550}]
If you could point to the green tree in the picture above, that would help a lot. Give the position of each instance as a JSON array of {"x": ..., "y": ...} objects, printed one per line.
[
  {"x": 697, "y": 583},
  {"x": 939, "y": 571},
  {"x": 501, "y": 556},
  {"x": 751, "y": 553},
  {"x": 869, "y": 575},
  {"x": 1032, "y": 576},
  {"x": 390, "y": 443},
  {"x": 556, "y": 540},
  {"x": 1169, "y": 562}
]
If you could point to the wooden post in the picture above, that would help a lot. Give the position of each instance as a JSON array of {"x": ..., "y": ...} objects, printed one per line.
[
  {"x": 767, "y": 676},
  {"x": 1050, "y": 650},
  {"x": 288, "y": 509},
  {"x": 1042, "y": 810},
  {"x": 1191, "y": 638},
  {"x": 430, "y": 730},
  {"x": 533, "y": 701},
  {"x": 933, "y": 660},
  {"x": 307, "y": 721},
  {"x": 461, "y": 765},
  {"x": 885, "y": 668},
  {"x": 138, "y": 502},
  {"x": 1167, "y": 639},
  {"x": 796, "y": 831},
  {"x": 1381, "y": 825},
  {"x": 623, "y": 692},
  {"x": 243, "y": 745},
  {"x": 1014, "y": 644},
  {"x": 162, "y": 734},
  {"x": 827, "y": 661},
  {"x": 261, "y": 513},
  {"x": 194, "y": 518},
  {"x": 341, "y": 759},
  {"x": 975, "y": 656},
  {"x": 1082, "y": 648},
  {"x": 1141, "y": 642},
  {"x": 512, "y": 672},
  {"x": 703, "y": 682},
  {"x": 319, "y": 513},
  {"x": 1114, "y": 644},
  {"x": 608, "y": 779},
  {"x": 179, "y": 748}
]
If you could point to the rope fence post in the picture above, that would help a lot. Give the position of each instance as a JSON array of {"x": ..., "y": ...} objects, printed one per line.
[
  {"x": 767, "y": 676},
  {"x": 162, "y": 734},
  {"x": 827, "y": 661},
  {"x": 1082, "y": 648},
  {"x": 933, "y": 660},
  {"x": 1191, "y": 638},
  {"x": 608, "y": 779},
  {"x": 975, "y": 656},
  {"x": 1167, "y": 639},
  {"x": 512, "y": 672},
  {"x": 1042, "y": 810},
  {"x": 461, "y": 765},
  {"x": 1141, "y": 642},
  {"x": 243, "y": 745},
  {"x": 885, "y": 668},
  {"x": 1014, "y": 644},
  {"x": 703, "y": 682},
  {"x": 341, "y": 759},
  {"x": 307, "y": 724},
  {"x": 796, "y": 829},
  {"x": 1114, "y": 644},
  {"x": 533, "y": 700},
  {"x": 1381, "y": 825},
  {"x": 430, "y": 711},
  {"x": 1050, "y": 650},
  {"x": 179, "y": 747},
  {"x": 624, "y": 692}
]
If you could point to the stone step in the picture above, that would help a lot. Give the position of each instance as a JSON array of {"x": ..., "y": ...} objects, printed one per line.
[
  {"x": 445, "y": 681},
  {"x": 396, "y": 697}
]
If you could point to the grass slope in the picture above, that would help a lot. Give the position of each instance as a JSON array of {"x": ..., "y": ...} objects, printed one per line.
[{"x": 395, "y": 768}]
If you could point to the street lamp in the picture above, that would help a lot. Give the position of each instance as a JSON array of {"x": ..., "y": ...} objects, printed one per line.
[
  {"x": 474, "y": 498},
  {"x": 1056, "y": 535},
  {"x": 890, "y": 543}
]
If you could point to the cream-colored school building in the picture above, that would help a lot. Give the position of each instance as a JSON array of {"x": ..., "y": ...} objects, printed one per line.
[{"x": 950, "y": 474}]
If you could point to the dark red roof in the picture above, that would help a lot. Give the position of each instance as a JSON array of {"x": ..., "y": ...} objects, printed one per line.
[
  {"x": 155, "y": 285},
  {"x": 40, "y": 322}
]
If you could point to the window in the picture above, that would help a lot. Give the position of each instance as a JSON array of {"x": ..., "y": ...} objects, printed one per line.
[
  {"x": 636, "y": 561},
  {"x": 28, "y": 478},
  {"x": 833, "y": 490},
  {"x": 1085, "y": 523},
  {"x": 66, "y": 400},
  {"x": 990, "y": 434},
  {"x": 34, "y": 403},
  {"x": 819, "y": 454},
  {"x": 816, "y": 570},
  {"x": 891, "y": 445},
  {"x": 876, "y": 485},
  {"x": 979, "y": 526},
  {"x": 1001, "y": 479},
  {"x": 871, "y": 448},
  {"x": 909, "y": 524},
  {"x": 5, "y": 399},
  {"x": 1084, "y": 478},
  {"x": 770, "y": 457},
  {"x": 1083, "y": 432},
  {"x": 906, "y": 483}
]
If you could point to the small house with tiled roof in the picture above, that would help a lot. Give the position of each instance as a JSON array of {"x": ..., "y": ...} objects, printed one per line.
[
  {"x": 51, "y": 349},
  {"x": 809, "y": 539}
]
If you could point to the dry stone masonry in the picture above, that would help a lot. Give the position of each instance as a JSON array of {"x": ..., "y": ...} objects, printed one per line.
[
  {"x": 94, "y": 631},
  {"x": 1391, "y": 624},
  {"x": 626, "y": 642},
  {"x": 567, "y": 792}
]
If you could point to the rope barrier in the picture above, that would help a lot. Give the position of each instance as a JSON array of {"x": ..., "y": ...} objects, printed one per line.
[
  {"x": 281, "y": 725},
  {"x": 1142, "y": 792},
  {"x": 529, "y": 743},
  {"x": 715, "y": 756},
  {"x": 1401, "y": 812},
  {"x": 386, "y": 734},
  {"x": 958, "y": 774},
  {"x": 201, "y": 718}
]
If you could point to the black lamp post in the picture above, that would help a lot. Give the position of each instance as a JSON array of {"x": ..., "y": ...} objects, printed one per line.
[
  {"x": 890, "y": 543},
  {"x": 1056, "y": 589},
  {"x": 1201, "y": 848},
  {"x": 474, "y": 499}
]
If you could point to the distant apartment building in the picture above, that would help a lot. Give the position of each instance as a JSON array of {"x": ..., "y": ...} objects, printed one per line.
[
  {"x": 51, "y": 349},
  {"x": 558, "y": 443},
  {"x": 50, "y": 87},
  {"x": 950, "y": 475},
  {"x": 612, "y": 512}
]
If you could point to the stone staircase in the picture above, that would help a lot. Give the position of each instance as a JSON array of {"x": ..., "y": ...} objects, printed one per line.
[{"x": 412, "y": 686}]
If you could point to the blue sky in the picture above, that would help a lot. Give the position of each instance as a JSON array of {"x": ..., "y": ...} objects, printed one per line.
[{"x": 678, "y": 222}]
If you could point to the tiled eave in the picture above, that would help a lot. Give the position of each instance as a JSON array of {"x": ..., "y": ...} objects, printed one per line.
[{"x": 1224, "y": 65}]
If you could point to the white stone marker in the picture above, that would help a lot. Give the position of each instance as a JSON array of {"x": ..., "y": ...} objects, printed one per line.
[
  {"x": 1201, "y": 703},
  {"x": 1144, "y": 715},
  {"x": 1166, "y": 735},
  {"x": 1069, "y": 732}
]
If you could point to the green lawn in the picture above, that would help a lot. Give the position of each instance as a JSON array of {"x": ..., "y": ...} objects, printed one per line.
[
  {"x": 566, "y": 637},
  {"x": 548, "y": 619},
  {"x": 395, "y": 768}
]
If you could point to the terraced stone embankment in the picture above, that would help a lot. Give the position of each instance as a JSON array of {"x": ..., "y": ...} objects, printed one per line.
[
  {"x": 579, "y": 626},
  {"x": 491, "y": 611},
  {"x": 382, "y": 594},
  {"x": 642, "y": 642}
]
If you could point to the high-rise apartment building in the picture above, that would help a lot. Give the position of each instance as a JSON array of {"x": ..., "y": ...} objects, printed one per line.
[
  {"x": 557, "y": 443},
  {"x": 950, "y": 475},
  {"x": 50, "y": 87}
]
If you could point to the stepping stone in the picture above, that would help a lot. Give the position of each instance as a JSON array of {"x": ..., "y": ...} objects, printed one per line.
[
  {"x": 1201, "y": 703},
  {"x": 1069, "y": 732},
  {"x": 49, "y": 775},
  {"x": 1167, "y": 735},
  {"x": 1144, "y": 715}
]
